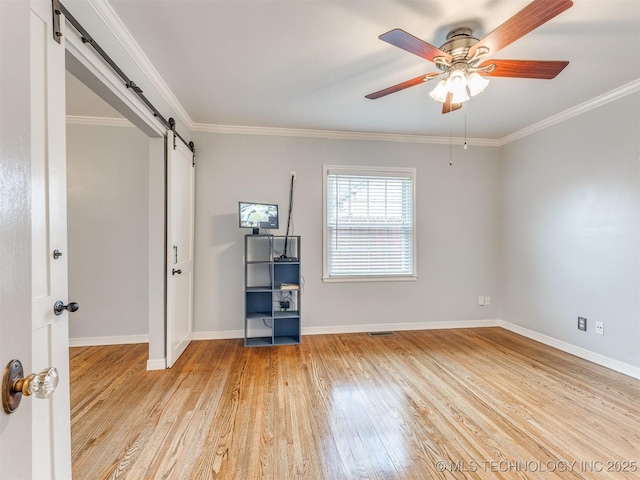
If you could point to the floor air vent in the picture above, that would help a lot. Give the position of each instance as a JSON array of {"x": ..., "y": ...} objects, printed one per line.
[{"x": 382, "y": 334}]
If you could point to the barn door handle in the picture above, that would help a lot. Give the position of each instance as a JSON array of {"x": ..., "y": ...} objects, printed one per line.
[
  {"x": 60, "y": 307},
  {"x": 15, "y": 385},
  {"x": 174, "y": 271}
]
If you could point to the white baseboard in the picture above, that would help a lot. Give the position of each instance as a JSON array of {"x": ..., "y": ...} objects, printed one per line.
[
  {"x": 156, "y": 364},
  {"x": 378, "y": 327},
  {"x": 115, "y": 340},
  {"x": 219, "y": 335},
  {"x": 228, "y": 334},
  {"x": 583, "y": 353}
]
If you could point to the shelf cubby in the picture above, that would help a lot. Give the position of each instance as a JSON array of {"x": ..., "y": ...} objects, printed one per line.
[{"x": 270, "y": 279}]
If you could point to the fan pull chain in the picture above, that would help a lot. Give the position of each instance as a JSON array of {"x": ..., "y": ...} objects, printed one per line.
[
  {"x": 465, "y": 125},
  {"x": 450, "y": 138}
]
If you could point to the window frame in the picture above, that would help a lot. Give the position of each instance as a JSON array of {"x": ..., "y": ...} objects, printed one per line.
[{"x": 368, "y": 171}]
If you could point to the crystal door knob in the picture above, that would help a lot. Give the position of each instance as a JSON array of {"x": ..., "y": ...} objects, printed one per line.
[
  {"x": 43, "y": 384},
  {"x": 14, "y": 386}
]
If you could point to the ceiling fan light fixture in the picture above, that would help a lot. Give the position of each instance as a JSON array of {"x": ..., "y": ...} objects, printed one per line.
[
  {"x": 461, "y": 84},
  {"x": 457, "y": 85},
  {"x": 460, "y": 96},
  {"x": 457, "y": 81},
  {"x": 439, "y": 94},
  {"x": 476, "y": 83}
]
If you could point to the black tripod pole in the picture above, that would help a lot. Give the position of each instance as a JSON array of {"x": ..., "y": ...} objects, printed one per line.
[{"x": 286, "y": 237}]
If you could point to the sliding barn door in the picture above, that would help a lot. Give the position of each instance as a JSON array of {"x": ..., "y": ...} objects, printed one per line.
[{"x": 180, "y": 221}]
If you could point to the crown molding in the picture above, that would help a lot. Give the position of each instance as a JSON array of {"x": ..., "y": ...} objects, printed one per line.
[
  {"x": 111, "y": 20},
  {"x": 99, "y": 121},
  {"x": 623, "y": 91},
  {"x": 340, "y": 135},
  {"x": 608, "y": 97}
]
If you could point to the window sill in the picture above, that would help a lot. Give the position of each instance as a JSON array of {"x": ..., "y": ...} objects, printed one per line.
[{"x": 382, "y": 278}]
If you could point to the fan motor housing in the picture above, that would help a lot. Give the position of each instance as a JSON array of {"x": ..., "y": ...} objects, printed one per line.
[{"x": 459, "y": 41}]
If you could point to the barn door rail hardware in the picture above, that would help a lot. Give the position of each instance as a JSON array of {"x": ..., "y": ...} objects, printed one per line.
[{"x": 58, "y": 10}]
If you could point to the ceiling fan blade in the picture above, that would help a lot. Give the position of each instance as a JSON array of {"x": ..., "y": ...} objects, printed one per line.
[
  {"x": 402, "y": 86},
  {"x": 448, "y": 107},
  {"x": 526, "y": 20},
  {"x": 544, "y": 69},
  {"x": 408, "y": 42}
]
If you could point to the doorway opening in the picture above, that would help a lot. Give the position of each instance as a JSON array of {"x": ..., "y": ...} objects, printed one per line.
[{"x": 108, "y": 221}]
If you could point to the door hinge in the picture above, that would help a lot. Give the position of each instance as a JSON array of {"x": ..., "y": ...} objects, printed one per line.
[
  {"x": 192, "y": 147},
  {"x": 57, "y": 13}
]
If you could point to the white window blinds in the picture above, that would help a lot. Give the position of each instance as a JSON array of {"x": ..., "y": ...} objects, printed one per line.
[{"x": 369, "y": 222}]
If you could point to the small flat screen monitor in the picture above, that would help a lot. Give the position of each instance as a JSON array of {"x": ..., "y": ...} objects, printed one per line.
[{"x": 258, "y": 215}]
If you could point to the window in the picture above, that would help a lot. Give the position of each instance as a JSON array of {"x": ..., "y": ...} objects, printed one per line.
[{"x": 369, "y": 231}]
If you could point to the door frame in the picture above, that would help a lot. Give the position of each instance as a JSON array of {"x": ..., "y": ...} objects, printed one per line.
[{"x": 86, "y": 65}]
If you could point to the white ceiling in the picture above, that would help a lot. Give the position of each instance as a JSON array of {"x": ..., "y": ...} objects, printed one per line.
[{"x": 309, "y": 63}]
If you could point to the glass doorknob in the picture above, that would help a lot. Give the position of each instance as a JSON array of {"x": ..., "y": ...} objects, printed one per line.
[
  {"x": 43, "y": 384},
  {"x": 15, "y": 386}
]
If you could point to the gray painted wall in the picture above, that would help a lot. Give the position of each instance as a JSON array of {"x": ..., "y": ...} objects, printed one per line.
[
  {"x": 548, "y": 226},
  {"x": 571, "y": 221},
  {"x": 108, "y": 222},
  {"x": 457, "y": 238}
]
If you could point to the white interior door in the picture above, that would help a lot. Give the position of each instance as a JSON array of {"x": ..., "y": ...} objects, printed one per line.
[
  {"x": 51, "y": 444},
  {"x": 180, "y": 219},
  {"x": 15, "y": 229}
]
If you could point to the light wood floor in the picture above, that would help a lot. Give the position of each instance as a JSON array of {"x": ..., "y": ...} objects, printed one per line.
[{"x": 473, "y": 403}]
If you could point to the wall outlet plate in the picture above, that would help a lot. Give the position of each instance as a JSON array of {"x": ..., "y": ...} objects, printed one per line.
[
  {"x": 600, "y": 328},
  {"x": 582, "y": 324}
]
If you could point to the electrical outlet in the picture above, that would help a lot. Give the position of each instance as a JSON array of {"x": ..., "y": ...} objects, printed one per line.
[
  {"x": 487, "y": 300},
  {"x": 481, "y": 300},
  {"x": 582, "y": 324},
  {"x": 600, "y": 328}
]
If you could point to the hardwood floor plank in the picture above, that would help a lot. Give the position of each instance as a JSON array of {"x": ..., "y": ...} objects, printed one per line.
[{"x": 474, "y": 403}]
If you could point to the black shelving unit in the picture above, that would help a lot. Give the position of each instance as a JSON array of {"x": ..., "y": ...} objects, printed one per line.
[{"x": 271, "y": 290}]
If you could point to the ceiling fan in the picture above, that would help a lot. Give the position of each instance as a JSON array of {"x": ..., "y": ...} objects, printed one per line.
[{"x": 462, "y": 59}]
